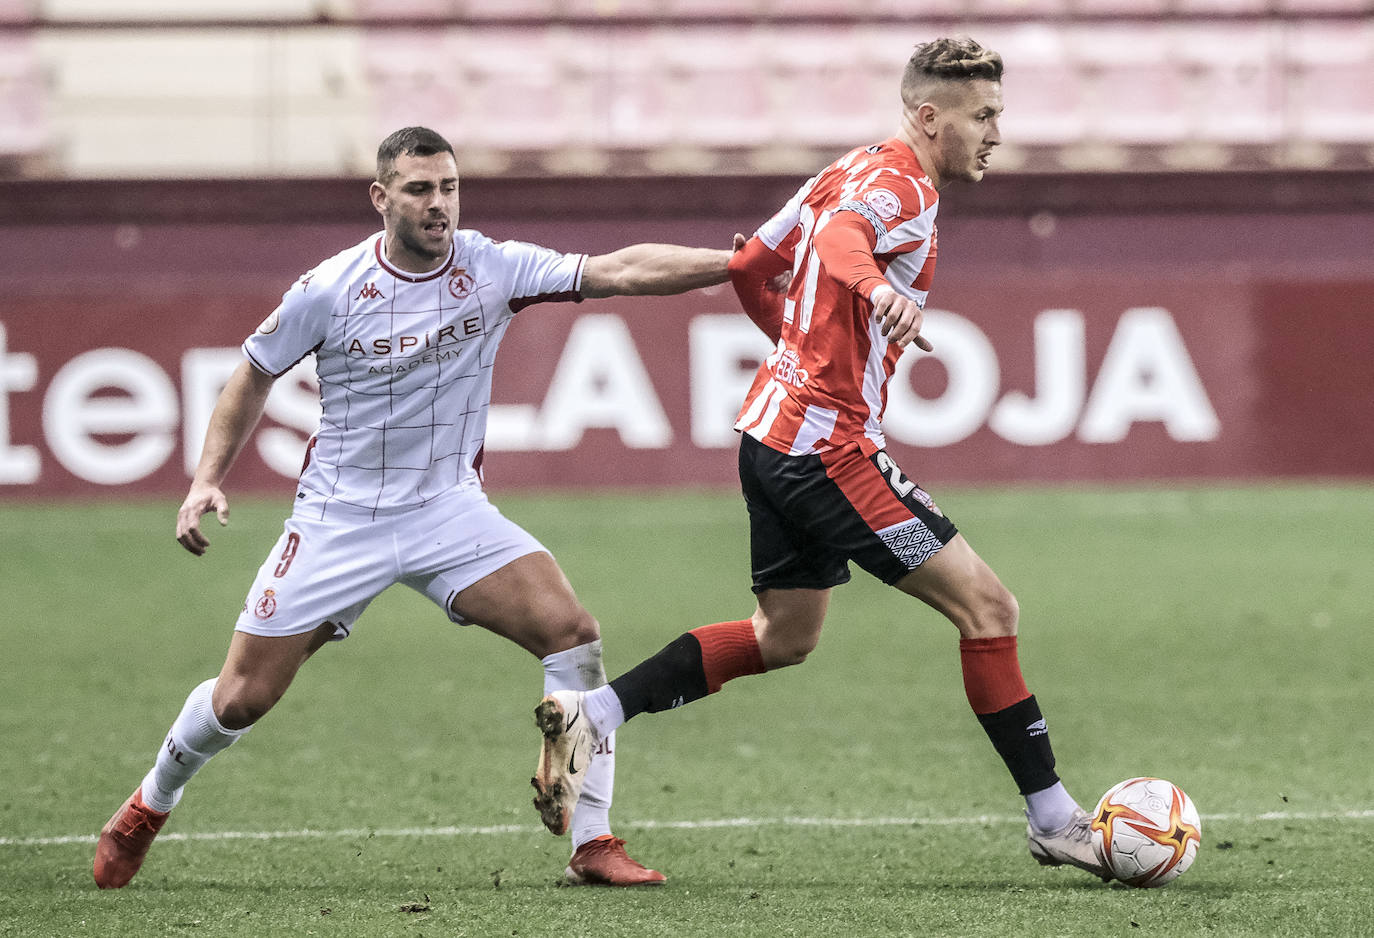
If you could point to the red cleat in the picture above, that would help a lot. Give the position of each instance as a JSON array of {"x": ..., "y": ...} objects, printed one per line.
[
  {"x": 604, "y": 862},
  {"x": 124, "y": 841}
]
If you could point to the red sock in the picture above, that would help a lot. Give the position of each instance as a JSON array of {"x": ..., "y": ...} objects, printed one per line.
[
  {"x": 992, "y": 673},
  {"x": 728, "y": 650}
]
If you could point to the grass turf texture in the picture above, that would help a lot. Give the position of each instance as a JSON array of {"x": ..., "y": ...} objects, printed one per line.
[{"x": 1217, "y": 637}]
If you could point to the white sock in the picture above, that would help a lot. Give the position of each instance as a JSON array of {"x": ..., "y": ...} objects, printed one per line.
[
  {"x": 195, "y": 736},
  {"x": 580, "y": 668},
  {"x": 1050, "y": 809},
  {"x": 602, "y": 707}
]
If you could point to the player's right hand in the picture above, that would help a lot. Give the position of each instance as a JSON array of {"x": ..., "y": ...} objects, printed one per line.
[
  {"x": 901, "y": 318},
  {"x": 201, "y": 500}
]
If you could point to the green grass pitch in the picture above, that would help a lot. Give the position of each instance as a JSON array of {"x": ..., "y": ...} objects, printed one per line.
[{"x": 1217, "y": 636}]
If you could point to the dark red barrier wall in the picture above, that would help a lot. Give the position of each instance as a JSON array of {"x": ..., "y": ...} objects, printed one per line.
[{"x": 1074, "y": 342}]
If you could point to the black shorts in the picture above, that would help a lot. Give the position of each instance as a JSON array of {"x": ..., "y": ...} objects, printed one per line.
[{"x": 810, "y": 515}]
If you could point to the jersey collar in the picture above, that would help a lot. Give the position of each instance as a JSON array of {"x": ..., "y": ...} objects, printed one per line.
[{"x": 409, "y": 277}]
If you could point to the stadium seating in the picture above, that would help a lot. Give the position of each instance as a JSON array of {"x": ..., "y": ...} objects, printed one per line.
[
  {"x": 1030, "y": 9},
  {"x": 637, "y": 109},
  {"x": 25, "y": 134},
  {"x": 855, "y": 92},
  {"x": 1213, "y": 7},
  {"x": 414, "y": 77},
  {"x": 175, "y": 11},
  {"x": 678, "y": 86},
  {"x": 1233, "y": 88},
  {"x": 1330, "y": 82},
  {"x": 1044, "y": 93},
  {"x": 609, "y": 10},
  {"x": 406, "y": 9},
  {"x": 1159, "y": 8},
  {"x": 1132, "y": 85},
  {"x": 18, "y": 11},
  {"x": 1322, "y": 6},
  {"x": 717, "y": 87},
  {"x": 214, "y": 103},
  {"x": 513, "y": 90}
]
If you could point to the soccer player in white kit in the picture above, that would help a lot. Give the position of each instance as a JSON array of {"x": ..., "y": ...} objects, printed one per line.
[{"x": 404, "y": 328}]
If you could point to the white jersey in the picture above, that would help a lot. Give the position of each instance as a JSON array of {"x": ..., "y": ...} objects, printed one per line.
[{"x": 405, "y": 361}]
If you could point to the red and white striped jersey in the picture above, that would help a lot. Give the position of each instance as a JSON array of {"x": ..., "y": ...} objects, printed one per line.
[
  {"x": 405, "y": 361},
  {"x": 825, "y": 384}
]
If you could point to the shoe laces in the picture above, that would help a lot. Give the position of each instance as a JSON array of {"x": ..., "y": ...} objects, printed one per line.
[
  {"x": 1079, "y": 829},
  {"x": 136, "y": 822},
  {"x": 606, "y": 845}
]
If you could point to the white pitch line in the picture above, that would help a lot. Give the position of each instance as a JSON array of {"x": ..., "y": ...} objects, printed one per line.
[{"x": 361, "y": 833}]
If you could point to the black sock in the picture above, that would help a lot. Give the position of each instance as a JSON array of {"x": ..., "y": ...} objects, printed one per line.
[
  {"x": 1019, "y": 735},
  {"x": 669, "y": 679}
]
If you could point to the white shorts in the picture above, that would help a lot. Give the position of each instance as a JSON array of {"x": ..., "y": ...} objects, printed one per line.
[{"x": 332, "y": 559}]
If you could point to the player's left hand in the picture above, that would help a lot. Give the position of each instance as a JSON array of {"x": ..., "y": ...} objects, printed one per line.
[{"x": 901, "y": 318}]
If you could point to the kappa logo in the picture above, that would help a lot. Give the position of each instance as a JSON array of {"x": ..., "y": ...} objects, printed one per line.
[
  {"x": 370, "y": 292},
  {"x": 1038, "y": 728}
]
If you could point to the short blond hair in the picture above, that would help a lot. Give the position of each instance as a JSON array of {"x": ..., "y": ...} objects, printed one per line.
[{"x": 947, "y": 60}]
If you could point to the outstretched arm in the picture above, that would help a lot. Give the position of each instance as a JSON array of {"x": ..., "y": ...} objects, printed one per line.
[
  {"x": 755, "y": 270},
  {"x": 653, "y": 270},
  {"x": 236, "y": 413}
]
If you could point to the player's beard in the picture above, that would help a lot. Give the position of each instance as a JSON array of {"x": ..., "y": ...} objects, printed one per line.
[
  {"x": 962, "y": 161},
  {"x": 419, "y": 243}
]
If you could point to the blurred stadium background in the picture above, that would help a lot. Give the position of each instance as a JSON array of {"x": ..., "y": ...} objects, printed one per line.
[
  {"x": 1165, "y": 283},
  {"x": 1167, "y": 274},
  {"x": 154, "y": 88}
]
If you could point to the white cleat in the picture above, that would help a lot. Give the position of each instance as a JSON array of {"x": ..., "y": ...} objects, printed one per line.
[
  {"x": 1071, "y": 845},
  {"x": 563, "y": 757}
]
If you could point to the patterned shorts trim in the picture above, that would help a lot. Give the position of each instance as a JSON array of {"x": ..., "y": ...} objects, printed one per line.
[{"x": 810, "y": 515}]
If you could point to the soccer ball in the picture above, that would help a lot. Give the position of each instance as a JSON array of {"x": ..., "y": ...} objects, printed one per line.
[{"x": 1146, "y": 831}]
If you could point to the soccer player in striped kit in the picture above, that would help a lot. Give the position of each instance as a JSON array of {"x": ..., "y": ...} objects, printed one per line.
[
  {"x": 404, "y": 328},
  {"x": 859, "y": 241}
]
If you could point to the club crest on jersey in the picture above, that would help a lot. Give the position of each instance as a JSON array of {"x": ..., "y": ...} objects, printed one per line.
[
  {"x": 459, "y": 283},
  {"x": 267, "y": 605},
  {"x": 269, "y": 325},
  {"x": 884, "y": 203},
  {"x": 370, "y": 292}
]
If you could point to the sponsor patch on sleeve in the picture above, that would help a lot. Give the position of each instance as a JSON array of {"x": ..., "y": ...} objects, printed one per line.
[
  {"x": 884, "y": 203},
  {"x": 269, "y": 325}
]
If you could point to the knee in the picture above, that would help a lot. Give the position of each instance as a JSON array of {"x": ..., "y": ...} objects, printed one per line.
[
  {"x": 784, "y": 655},
  {"x": 996, "y": 614},
  {"x": 569, "y": 628},
  {"x": 239, "y": 703},
  {"x": 781, "y": 647}
]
